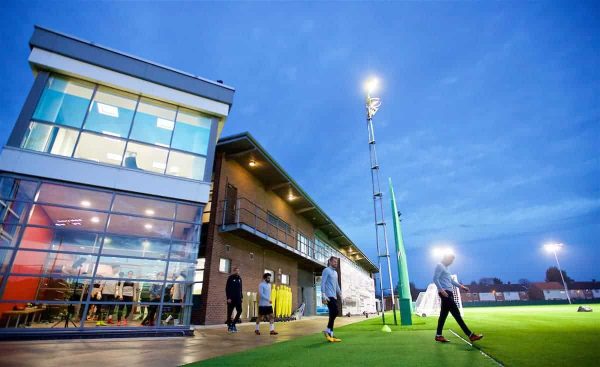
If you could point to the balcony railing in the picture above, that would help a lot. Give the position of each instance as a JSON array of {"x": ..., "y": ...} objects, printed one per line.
[{"x": 243, "y": 213}]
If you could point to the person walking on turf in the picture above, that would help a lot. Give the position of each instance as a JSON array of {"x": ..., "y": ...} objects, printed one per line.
[
  {"x": 444, "y": 282},
  {"x": 233, "y": 292},
  {"x": 265, "y": 306},
  {"x": 330, "y": 289}
]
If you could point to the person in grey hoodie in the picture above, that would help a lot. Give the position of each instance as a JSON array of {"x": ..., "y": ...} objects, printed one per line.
[
  {"x": 330, "y": 289},
  {"x": 265, "y": 306}
]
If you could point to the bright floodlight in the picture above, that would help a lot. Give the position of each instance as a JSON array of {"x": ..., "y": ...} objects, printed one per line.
[
  {"x": 553, "y": 247},
  {"x": 439, "y": 252},
  {"x": 371, "y": 85}
]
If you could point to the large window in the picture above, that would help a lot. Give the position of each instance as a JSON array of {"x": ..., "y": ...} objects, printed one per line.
[
  {"x": 75, "y": 118},
  {"x": 70, "y": 250},
  {"x": 64, "y": 101},
  {"x": 111, "y": 112}
]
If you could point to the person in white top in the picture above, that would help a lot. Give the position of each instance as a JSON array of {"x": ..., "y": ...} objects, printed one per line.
[
  {"x": 177, "y": 297},
  {"x": 265, "y": 306}
]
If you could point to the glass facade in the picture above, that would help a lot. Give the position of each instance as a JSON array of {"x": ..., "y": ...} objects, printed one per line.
[
  {"x": 76, "y": 257},
  {"x": 82, "y": 120}
]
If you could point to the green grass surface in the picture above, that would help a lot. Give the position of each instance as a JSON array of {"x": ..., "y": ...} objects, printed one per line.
[{"x": 517, "y": 336}]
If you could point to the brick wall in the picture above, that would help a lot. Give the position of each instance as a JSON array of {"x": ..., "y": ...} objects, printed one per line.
[{"x": 213, "y": 304}]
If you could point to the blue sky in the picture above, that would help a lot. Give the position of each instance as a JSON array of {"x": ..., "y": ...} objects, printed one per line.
[{"x": 489, "y": 128}]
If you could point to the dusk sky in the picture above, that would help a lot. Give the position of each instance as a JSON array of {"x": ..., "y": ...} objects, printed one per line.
[{"x": 489, "y": 127}]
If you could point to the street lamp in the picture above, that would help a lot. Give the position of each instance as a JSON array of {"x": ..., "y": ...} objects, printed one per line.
[{"x": 553, "y": 248}]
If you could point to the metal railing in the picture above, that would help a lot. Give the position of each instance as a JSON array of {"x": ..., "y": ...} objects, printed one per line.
[{"x": 244, "y": 211}]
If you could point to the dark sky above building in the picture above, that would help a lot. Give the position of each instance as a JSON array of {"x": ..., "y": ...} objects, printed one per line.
[{"x": 489, "y": 127}]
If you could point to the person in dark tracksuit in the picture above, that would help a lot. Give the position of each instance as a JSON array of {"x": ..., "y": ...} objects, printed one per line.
[
  {"x": 330, "y": 289},
  {"x": 233, "y": 292},
  {"x": 444, "y": 282}
]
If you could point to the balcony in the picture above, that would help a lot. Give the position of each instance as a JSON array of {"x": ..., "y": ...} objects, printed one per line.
[{"x": 246, "y": 219}]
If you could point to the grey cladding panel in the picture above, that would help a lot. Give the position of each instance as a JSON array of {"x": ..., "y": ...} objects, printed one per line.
[{"x": 113, "y": 60}]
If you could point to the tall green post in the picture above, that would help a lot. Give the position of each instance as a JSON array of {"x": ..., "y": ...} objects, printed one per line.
[{"x": 404, "y": 287}]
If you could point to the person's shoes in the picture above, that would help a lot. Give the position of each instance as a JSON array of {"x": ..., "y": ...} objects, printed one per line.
[
  {"x": 335, "y": 340},
  {"x": 273, "y": 332},
  {"x": 475, "y": 337},
  {"x": 327, "y": 336},
  {"x": 441, "y": 339},
  {"x": 229, "y": 329},
  {"x": 256, "y": 332},
  {"x": 110, "y": 321},
  {"x": 169, "y": 318},
  {"x": 124, "y": 322},
  {"x": 100, "y": 323},
  {"x": 234, "y": 328},
  {"x": 118, "y": 323}
]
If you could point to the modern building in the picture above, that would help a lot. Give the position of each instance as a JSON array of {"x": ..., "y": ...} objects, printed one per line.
[
  {"x": 103, "y": 183},
  {"x": 262, "y": 221}
]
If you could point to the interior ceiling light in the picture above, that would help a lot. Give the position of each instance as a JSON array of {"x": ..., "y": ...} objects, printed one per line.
[
  {"x": 148, "y": 226},
  {"x": 95, "y": 220},
  {"x": 149, "y": 212},
  {"x": 165, "y": 124},
  {"x": 85, "y": 203},
  {"x": 252, "y": 163},
  {"x": 108, "y": 110}
]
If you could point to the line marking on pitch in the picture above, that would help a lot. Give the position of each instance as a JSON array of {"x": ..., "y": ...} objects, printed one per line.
[{"x": 478, "y": 348}]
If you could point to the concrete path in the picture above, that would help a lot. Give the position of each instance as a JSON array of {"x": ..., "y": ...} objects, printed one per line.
[{"x": 208, "y": 342}]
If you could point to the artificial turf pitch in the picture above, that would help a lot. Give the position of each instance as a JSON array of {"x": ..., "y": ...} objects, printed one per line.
[{"x": 515, "y": 336}]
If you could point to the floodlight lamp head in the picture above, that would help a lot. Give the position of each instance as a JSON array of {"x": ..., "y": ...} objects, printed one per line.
[
  {"x": 553, "y": 247},
  {"x": 371, "y": 85},
  {"x": 442, "y": 252}
]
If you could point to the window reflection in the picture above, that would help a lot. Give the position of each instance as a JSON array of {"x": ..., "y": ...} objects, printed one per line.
[
  {"x": 186, "y": 165},
  {"x": 154, "y": 122},
  {"x": 136, "y": 246},
  {"x": 50, "y": 139},
  {"x": 144, "y": 227},
  {"x": 18, "y": 189},
  {"x": 189, "y": 213},
  {"x": 186, "y": 231},
  {"x": 145, "y": 157},
  {"x": 64, "y": 101},
  {"x": 9, "y": 234},
  {"x": 111, "y": 112},
  {"x": 71, "y": 196},
  {"x": 101, "y": 149},
  {"x": 60, "y": 240},
  {"x": 116, "y": 267},
  {"x": 192, "y": 131},
  {"x": 13, "y": 212},
  {"x": 67, "y": 218},
  {"x": 183, "y": 251},
  {"x": 61, "y": 264},
  {"x": 143, "y": 206}
]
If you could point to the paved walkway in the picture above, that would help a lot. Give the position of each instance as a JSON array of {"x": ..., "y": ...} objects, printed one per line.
[{"x": 208, "y": 342}]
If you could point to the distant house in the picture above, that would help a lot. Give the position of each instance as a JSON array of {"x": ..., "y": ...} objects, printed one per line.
[
  {"x": 495, "y": 293},
  {"x": 547, "y": 291},
  {"x": 584, "y": 290}
]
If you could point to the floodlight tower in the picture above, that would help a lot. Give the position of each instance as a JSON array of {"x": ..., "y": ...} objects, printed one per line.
[
  {"x": 554, "y": 247},
  {"x": 383, "y": 252}
]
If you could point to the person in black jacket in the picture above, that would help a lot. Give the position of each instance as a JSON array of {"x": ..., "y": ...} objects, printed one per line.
[{"x": 233, "y": 292}]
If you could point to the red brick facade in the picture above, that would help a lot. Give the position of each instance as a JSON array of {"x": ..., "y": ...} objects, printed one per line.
[{"x": 251, "y": 258}]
